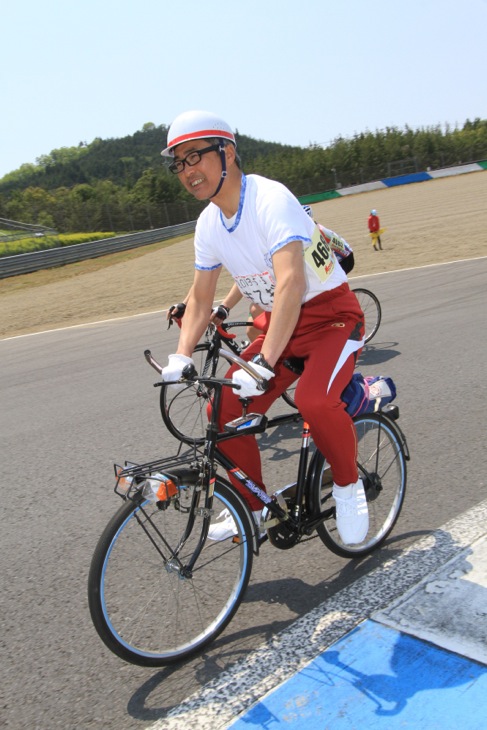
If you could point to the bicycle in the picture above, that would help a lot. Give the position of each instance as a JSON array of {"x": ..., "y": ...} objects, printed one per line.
[
  {"x": 184, "y": 413},
  {"x": 159, "y": 591}
]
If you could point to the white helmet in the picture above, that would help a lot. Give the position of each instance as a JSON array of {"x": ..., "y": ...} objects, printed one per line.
[{"x": 196, "y": 125}]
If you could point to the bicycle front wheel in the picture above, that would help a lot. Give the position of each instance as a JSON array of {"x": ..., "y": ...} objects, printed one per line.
[
  {"x": 144, "y": 606},
  {"x": 381, "y": 462},
  {"x": 371, "y": 308},
  {"x": 288, "y": 395},
  {"x": 184, "y": 411}
]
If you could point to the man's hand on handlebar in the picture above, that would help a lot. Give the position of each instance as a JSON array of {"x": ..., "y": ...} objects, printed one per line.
[
  {"x": 175, "y": 312},
  {"x": 219, "y": 314},
  {"x": 248, "y": 386},
  {"x": 250, "y": 380},
  {"x": 174, "y": 369}
]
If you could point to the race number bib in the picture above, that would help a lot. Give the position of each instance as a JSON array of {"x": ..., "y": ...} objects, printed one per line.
[
  {"x": 259, "y": 288},
  {"x": 338, "y": 246},
  {"x": 319, "y": 256}
]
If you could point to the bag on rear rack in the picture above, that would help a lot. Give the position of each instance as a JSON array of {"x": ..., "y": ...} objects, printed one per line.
[{"x": 368, "y": 395}]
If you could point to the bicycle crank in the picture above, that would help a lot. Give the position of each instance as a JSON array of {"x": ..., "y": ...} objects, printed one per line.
[{"x": 281, "y": 534}]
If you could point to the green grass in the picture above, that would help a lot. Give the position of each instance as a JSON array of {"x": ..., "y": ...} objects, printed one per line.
[
  {"x": 41, "y": 243},
  {"x": 61, "y": 273}
]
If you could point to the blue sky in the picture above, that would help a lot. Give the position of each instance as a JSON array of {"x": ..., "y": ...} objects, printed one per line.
[{"x": 292, "y": 72}]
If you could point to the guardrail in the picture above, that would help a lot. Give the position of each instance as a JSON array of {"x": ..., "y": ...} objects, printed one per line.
[{"x": 25, "y": 263}]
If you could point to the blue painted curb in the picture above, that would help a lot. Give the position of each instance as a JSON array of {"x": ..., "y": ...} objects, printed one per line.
[{"x": 381, "y": 679}]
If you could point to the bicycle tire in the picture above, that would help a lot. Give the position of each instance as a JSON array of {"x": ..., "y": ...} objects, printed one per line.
[
  {"x": 288, "y": 395},
  {"x": 372, "y": 310},
  {"x": 381, "y": 460},
  {"x": 184, "y": 412},
  {"x": 143, "y": 608}
]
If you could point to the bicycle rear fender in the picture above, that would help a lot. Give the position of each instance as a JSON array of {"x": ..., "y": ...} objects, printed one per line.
[{"x": 391, "y": 413}]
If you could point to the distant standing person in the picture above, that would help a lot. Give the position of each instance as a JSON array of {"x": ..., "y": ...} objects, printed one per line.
[{"x": 374, "y": 229}]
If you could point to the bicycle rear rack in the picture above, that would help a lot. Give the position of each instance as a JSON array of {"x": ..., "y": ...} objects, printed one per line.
[{"x": 133, "y": 475}]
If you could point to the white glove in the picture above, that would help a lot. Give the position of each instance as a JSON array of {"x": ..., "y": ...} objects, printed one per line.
[
  {"x": 174, "y": 369},
  {"x": 248, "y": 386}
]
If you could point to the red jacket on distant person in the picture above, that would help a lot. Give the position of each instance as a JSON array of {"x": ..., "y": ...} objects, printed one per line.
[{"x": 374, "y": 223}]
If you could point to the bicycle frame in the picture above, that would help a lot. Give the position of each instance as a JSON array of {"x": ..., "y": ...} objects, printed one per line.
[
  {"x": 212, "y": 454},
  {"x": 294, "y": 519}
]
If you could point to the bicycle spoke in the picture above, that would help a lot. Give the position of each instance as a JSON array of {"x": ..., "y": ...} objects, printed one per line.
[
  {"x": 144, "y": 605},
  {"x": 382, "y": 466}
]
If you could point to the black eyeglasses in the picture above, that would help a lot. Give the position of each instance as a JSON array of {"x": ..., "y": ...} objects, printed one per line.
[{"x": 192, "y": 159}]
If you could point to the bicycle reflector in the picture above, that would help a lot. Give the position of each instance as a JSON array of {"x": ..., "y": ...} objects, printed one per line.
[
  {"x": 123, "y": 482},
  {"x": 159, "y": 488},
  {"x": 167, "y": 489}
]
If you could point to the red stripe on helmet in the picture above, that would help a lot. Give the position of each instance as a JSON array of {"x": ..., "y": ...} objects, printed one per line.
[{"x": 203, "y": 133}]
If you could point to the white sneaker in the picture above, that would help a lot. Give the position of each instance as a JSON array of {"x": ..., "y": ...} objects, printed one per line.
[
  {"x": 226, "y": 527},
  {"x": 352, "y": 514}
]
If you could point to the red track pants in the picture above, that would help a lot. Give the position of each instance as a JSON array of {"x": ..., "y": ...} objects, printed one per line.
[{"x": 328, "y": 336}]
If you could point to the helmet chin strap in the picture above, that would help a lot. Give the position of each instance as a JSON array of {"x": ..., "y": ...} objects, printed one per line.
[{"x": 224, "y": 170}]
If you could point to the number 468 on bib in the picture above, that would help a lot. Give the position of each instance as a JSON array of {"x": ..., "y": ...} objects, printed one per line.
[{"x": 319, "y": 255}]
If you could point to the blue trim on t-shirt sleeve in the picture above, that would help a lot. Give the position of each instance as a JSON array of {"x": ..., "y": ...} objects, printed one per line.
[
  {"x": 280, "y": 245},
  {"x": 207, "y": 268}
]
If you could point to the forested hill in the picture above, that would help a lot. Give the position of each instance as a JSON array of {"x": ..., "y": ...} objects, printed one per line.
[
  {"x": 122, "y": 161},
  {"x": 124, "y": 185}
]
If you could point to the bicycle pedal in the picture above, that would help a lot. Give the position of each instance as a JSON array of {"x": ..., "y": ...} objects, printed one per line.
[{"x": 267, "y": 520}]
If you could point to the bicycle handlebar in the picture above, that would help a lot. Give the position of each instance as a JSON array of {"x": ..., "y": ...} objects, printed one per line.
[
  {"x": 153, "y": 363},
  {"x": 262, "y": 383}
]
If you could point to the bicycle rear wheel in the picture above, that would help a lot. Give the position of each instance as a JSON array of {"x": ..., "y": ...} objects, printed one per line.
[
  {"x": 371, "y": 308},
  {"x": 184, "y": 411},
  {"x": 143, "y": 606},
  {"x": 381, "y": 464}
]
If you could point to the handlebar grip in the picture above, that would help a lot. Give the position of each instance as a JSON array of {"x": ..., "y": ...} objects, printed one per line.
[
  {"x": 153, "y": 363},
  {"x": 262, "y": 383}
]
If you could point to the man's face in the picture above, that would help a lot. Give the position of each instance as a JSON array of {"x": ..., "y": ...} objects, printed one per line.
[{"x": 201, "y": 179}]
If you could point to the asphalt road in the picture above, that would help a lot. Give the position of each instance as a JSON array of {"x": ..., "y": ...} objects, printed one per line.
[{"x": 74, "y": 401}]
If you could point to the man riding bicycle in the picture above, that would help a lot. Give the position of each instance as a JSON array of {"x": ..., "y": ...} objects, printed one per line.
[{"x": 281, "y": 262}]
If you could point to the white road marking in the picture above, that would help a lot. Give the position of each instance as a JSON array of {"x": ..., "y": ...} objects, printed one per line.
[{"x": 160, "y": 311}]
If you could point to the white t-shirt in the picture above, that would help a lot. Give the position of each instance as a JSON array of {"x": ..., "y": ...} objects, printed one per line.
[{"x": 268, "y": 218}]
